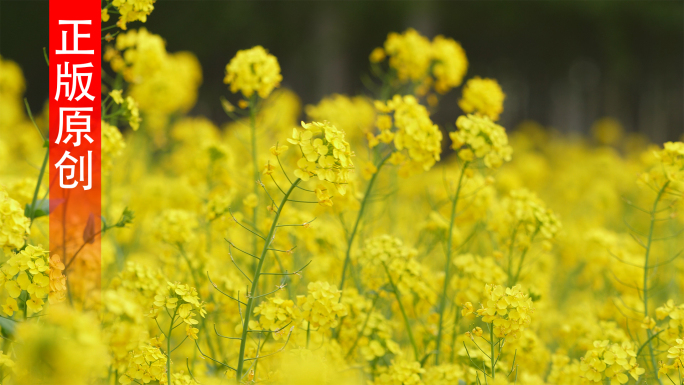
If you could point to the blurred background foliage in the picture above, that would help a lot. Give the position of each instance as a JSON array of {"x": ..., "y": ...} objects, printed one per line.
[{"x": 561, "y": 63}]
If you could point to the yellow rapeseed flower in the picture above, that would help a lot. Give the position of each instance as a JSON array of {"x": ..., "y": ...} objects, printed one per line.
[
  {"x": 253, "y": 70},
  {"x": 483, "y": 97}
]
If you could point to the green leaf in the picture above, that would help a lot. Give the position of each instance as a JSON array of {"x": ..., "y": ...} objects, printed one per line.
[
  {"x": 43, "y": 207},
  {"x": 8, "y": 325}
]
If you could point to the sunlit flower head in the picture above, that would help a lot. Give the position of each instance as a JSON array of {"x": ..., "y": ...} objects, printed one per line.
[{"x": 253, "y": 70}]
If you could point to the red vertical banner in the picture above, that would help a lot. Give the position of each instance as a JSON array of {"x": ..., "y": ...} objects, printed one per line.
[{"x": 75, "y": 145}]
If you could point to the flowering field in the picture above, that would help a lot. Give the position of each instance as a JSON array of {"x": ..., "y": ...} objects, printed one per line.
[{"x": 362, "y": 245}]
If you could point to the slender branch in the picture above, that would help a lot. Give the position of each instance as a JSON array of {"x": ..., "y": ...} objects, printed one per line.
[
  {"x": 255, "y": 282},
  {"x": 277, "y": 351},
  {"x": 403, "y": 311},
  {"x": 350, "y": 243},
  {"x": 293, "y": 273},
  {"x": 238, "y": 267},
  {"x": 646, "y": 268},
  {"x": 220, "y": 291},
  {"x": 206, "y": 356},
  {"x": 447, "y": 268},
  {"x": 222, "y": 336},
  {"x": 239, "y": 249},
  {"x": 243, "y": 226}
]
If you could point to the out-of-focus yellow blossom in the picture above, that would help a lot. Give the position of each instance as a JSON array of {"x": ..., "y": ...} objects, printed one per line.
[
  {"x": 117, "y": 96},
  {"x": 450, "y": 65},
  {"x": 371, "y": 331},
  {"x": 143, "y": 281},
  {"x": 22, "y": 190},
  {"x": 6, "y": 362},
  {"x": 64, "y": 348},
  {"x": 182, "y": 301},
  {"x": 321, "y": 307},
  {"x": 274, "y": 314},
  {"x": 410, "y": 276},
  {"x": 253, "y": 70},
  {"x": 176, "y": 226},
  {"x": 133, "y": 113},
  {"x": 445, "y": 374},
  {"x": 250, "y": 201},
  {"x": 482, "y": 97},
  {"x": 401, "y": 372},
  {"x": 354, "y": 115},
  {"x": 509, "y": 309},
  {"x": 676, "y": 354},
  {"x": 181, "y": 378},
  {"x": 523, "y": 212},
  {"x": 611, "y": 361},
  {"x": 132, "y": 10},
  {"x": 441, "y": 64},
  {"x": 472, "y": 274},
  {"x": 668, "y": 169},
  {"x": 161, "y": 83},
  {"x": 14, "y": 226},
  {"x": 480, "y": 137},
  {"x": 324, "y": 198},
  {"x": 326, "y": 154},
  {"x": 414, "y": 133},
  {"x": 217, "y": 206},
  {"x": 147, "y": 363},
  {"x": 564, "y": 371},
  {"x": 112, "y": 144},
  {"x": 299, "y": 366},
  {"x": 377, "y": 55},
  {"x": 675, "y": 323},
  {"x": 368, "y": 169},
  {"x": 409, "y": 54},
  {"x": 33, "y": 271},
  {"x": 607, "y": 131}
]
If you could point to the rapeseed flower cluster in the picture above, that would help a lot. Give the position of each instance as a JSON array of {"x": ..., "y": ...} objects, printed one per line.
[
  {"x": 610, "y": 361},
  {"x": 482, "y": 97},
  {"x": 321, "y": 306},
  {"x": 441, "y": 64},
  {"x": 33, "y": 272},
  {"x": 253, "y": 70},
  {"x": 14, "y": 226},
  {"x": 414, "y": 132},
  {"x": 509, "y": 310},
  {"x": 478, "y": 137},
  {"x": 129, "y": 11},
  {"x": 325, "y": 154}
]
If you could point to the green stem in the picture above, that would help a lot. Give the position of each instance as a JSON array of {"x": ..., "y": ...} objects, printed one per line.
[
  {"x": 363, "y": 328},
  {"x": 403, "y": 312},
  {"x": 646, "y": 268},
  {"x": 40, "y": 181},
  {"x": 168, "y": 347},
  {"x": 255, "y": 282},
  {"x": 447, "y": 268},
  {"x": 522, "y": 259},
  {"x": 308, "y": 331},
  {"x": 491, "y": 344},
  {"x": 255, "y": 211},
  {"x": 197, "y": 286},
  {"x": 454, "y": 334},
  {"x": 510, "y": 251},
  {"x": 350, "y": 242}
]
